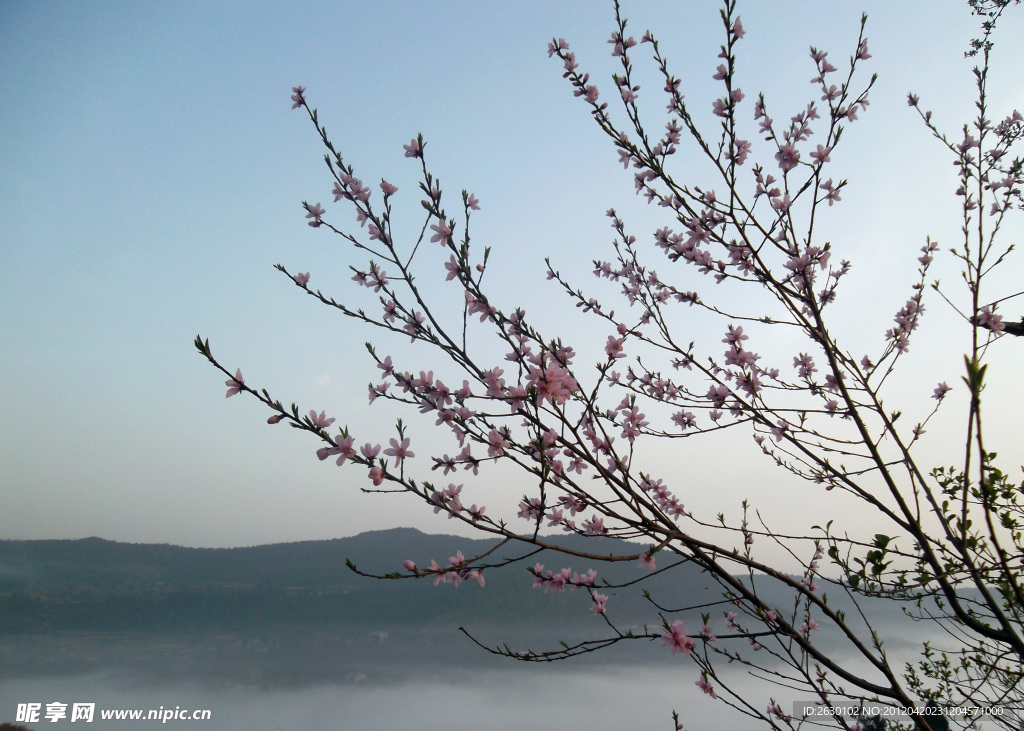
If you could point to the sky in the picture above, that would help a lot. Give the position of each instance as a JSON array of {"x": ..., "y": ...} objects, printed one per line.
[{"x": 153, "y": 174}]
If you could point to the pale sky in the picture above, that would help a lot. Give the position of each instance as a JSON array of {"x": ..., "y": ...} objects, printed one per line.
[{"x": 152, "y": 175}]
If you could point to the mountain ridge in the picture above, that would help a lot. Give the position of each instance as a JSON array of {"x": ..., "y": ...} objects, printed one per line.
[{"x": 93, "y": 584}]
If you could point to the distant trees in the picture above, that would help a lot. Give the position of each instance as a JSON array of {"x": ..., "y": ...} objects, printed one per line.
[{"x": 743, "y": 247}]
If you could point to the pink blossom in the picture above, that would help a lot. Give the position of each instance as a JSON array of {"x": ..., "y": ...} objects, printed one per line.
[
  {"x": 556, "y": 46},
  {"x": 595, "y": 526},
  {"x": 805, "y": 364},
  {"x": 452, "y": 266},
  {"x": 414, "y": 323},
  {"x": 742, "y": 149},
  {"x": 808, "y": 626},
  {"x": 529, "y": 509},
  {"x": 684, "y": 419},
  {"x": 621, "y": 44},
  {"x": 821, "y": 155},
  {"x": 475, "y": 306},
  {"x": 358, "y": 191},
  {"x": 737, "y": 28},
  {"x": 675, "y": 638},
  {"x": 297, "y": 98},
  {"x": 276, "y": 418},
  {"x": 315, "y": 212},
  {"x": 377, "y": 391},
  {"x": 437, "y": 571},
  {"x": 788, "y": 157},
  {"x": 399, "y": 451},
  {"x": 497, "y": 443},
  {"x": 554, "y": 383},
  {"x": 409, "y": 565},
  {"x": 926, "y": 258},
  {"x": 345, "y": 450},
  {"x": 633, "y": 423},
  {"x": 586, "y": 579},
  {"x": 598, "y": 606},
  {"x": 573, "y": 503},
  {"x": 986, "y": 318},
  {"x": 342, "y": 447},
  {"x": 831, "y": 193},
  {"x": 302, "y": 279},
  {"x": 413, "y": 149},
  {"x": 388, "y": 188},
  {"x": 941, "y": 390},
  {"x": 718, "y": 394},
  {"x": 473, "y": 202},
  {"x": 376, "y": 475},
  {"x": 779, "y": 430},
  {"x": 234, "y": 384},
  {"x": 494, "y": 382},
  {"x": 735, "y": 335},
  {"x": 613, "y": 347},
  {"x": 325, "y": 452},
  {"x": 555, "y": 517},
  {"x": 441, "y": 233},
  {"x": 647, "y": 560},
  {"x": 704, "y": 685},
  {"x": 320, "y": 421}
]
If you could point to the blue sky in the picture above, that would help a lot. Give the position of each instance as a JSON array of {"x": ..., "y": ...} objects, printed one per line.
[{"x": 153, "y": 172}]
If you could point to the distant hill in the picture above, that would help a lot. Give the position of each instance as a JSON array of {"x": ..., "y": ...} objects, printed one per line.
[
  {"x": 293, "y": 613},
  {"x": 98, "y": 585}
]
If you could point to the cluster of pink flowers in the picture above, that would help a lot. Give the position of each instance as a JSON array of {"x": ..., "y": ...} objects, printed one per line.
[
  {"x": 906, "y": 323},
  {"x": 989, "y": 319},
  {"x": 551, "y": 581},
  {"x": 667, "y": 502},
  {"x": 454, "y": 573},
  {"x": 350, "y": 188},
  {"x": 376, "y": 279},
  {"x": 549, "y": 374},
  {"x": 675, "y": 638}
]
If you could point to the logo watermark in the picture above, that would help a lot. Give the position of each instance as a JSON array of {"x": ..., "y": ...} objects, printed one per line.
[{"x": 56, "y": 711}]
